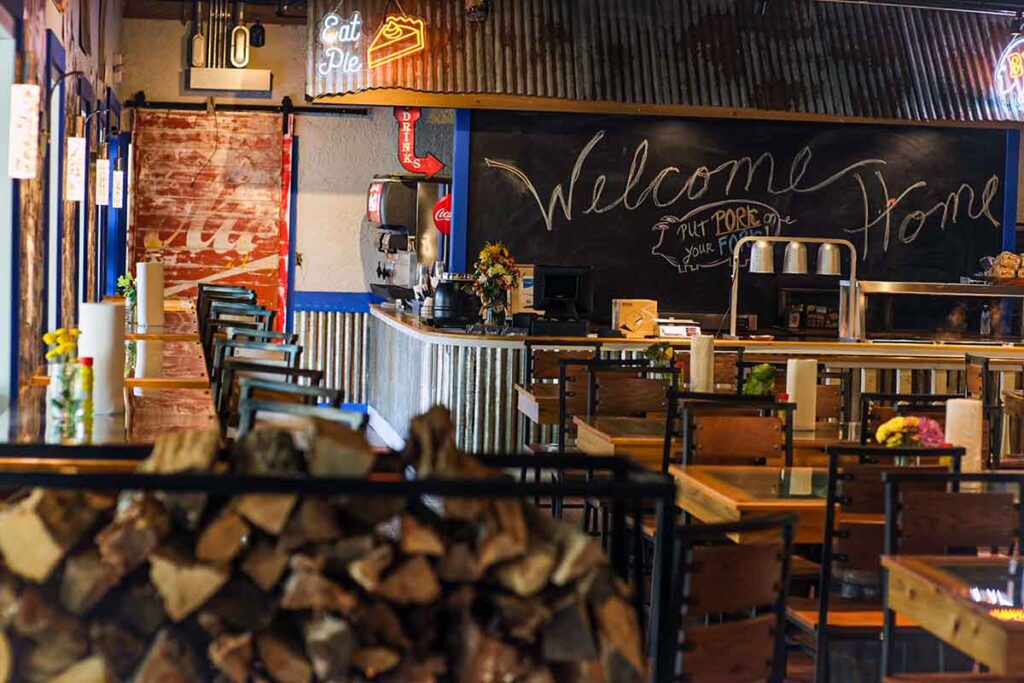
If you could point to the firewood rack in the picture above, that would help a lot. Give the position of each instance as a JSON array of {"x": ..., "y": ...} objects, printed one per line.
[{"x": 628, "y": 489}]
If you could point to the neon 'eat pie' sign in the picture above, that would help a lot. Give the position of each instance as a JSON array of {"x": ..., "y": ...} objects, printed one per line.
[{"x": 341, "y": 39}]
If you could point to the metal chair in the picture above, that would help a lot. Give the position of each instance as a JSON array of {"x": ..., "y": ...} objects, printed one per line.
[
  {"x": 945, "y": 520},
  {"x": 247, "y": 334},
  {"x": 978, "y": 384},
  {"x": 230, "y": 312},
  {"x": 275, "y": 390},
  {"x": 853, "y": 540},
  {"x": 250, "y": 408},
  {"x": 732, "y": 600},
  {"x": 236, "y": 368},
  {"x": 715, "y": 413},
  {"x": 286, "y": 355}
]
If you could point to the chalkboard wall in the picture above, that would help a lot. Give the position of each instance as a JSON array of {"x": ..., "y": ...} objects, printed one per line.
[{"x": 655, "y": 204}]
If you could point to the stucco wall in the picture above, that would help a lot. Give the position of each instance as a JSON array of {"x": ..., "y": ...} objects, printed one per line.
[{"x": 337, "y": 154}]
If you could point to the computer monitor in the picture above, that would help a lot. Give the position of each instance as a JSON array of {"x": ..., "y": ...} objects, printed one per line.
[{"x": 563, "y": 292}]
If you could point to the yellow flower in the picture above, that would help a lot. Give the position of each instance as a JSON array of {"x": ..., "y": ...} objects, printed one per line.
[
  {"x": 51, "y": 354},
  {"x": 50, "y": 338}
]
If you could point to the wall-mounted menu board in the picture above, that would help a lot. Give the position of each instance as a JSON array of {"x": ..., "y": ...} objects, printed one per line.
[{"x": 656, "y": 204}]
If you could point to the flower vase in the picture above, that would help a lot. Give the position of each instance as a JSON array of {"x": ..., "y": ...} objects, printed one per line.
[
  {"x": 495, "y": 316},
  {"x": 61, "y": 392}
]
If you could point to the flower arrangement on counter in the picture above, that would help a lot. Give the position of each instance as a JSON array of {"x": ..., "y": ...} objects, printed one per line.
[
  {"x": 760, "y": 381},
  {"x": 495, "y": 275},
  {"x": 126, "y": 286},
  {"x": 62, "y": 370},
  {"x": 910, "y": 432}
]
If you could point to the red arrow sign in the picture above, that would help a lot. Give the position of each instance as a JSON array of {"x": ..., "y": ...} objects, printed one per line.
[{"x": 428, "y": 165}]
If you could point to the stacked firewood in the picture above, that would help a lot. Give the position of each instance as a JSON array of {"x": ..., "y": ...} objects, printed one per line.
[{"x": 182, "y": 587}]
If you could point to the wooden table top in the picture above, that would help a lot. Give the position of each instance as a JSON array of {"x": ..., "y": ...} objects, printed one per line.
[
  {"x": 643, "y": 431},
  {"x": 717, "y": 494},
  {"x": 964, "y": 601}
]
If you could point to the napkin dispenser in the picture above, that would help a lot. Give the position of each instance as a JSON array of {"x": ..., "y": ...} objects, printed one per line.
[{"x": 635, "y": 318}]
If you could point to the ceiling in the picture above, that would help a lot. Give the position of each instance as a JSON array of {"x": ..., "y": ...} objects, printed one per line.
[{"x": 267, "y": 11}]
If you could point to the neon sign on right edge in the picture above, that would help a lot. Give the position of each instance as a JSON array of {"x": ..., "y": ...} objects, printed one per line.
[{"x": 1008, "y": 79}]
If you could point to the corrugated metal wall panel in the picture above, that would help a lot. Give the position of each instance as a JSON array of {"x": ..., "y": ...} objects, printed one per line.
[
  {"x": 828, "y": 58},
  {"x": 336, "y": 344}
]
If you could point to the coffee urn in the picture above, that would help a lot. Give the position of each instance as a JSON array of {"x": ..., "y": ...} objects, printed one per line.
[{"x": 400, "y": 209}]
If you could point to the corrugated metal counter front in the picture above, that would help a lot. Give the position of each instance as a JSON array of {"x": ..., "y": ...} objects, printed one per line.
[{"x": 412, "y": 367}]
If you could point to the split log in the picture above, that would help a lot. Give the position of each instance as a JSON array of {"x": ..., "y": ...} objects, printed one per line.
[
  {"x": 330, "y": 644},
  {"x": 138, "y": 606},
  {"x": 580, "y": 555},
  {"x": 498, "y": 547},
  {"x": 460, "y": 565},
  {"x": 128, "y": 541},
  {"x": 38, "y": 619},
  {"x": 38, "y": 530},
  {"x": 430, "y": 669},
  {"x": 86, "y": 580},
  {"x": 120, "y": 648},
  {"x": 233, "y": 656},
  {"x": 185, "y": 509},
  {"x": 529, "y": 574},
  {"x": 335, "y": 450},
  {"x": 266, "y": 451},
  {"x": 6, "y": 658},
  {"x": 182, "y": 451},
  {"x": 183, "y": 585},
  {"x": 306, "y": 589},
  {"x": 223, "y": 538},
  {"x": 511, "y": 520},
  {"x": 367, "y": 570},
  {"x": 461, "y": 599},
  {"x": 416, "y": 538},
  {"x": 90, "y": 670},
  {"x": 265, "y": 565},
  {"x": 338, "y": 555},
  {"x": 281, "y": 660},
  {"x": 373, "y": 661},
  {"x": 483, "y": 657},
  {"x": 413, "y": 582},
  {"x": 379, "y": 623},
  {"x": 169, "y": 660},
  {"x": 268, "y": 511},
  {"x": 373, "y": 511},
  {"x": 567, "y": 636},
  {"x": 621, "y": 651},
  {"x": 313, "y": 522},
  {"x": 44, "y": 660},
  {"x": 521, "y": 618},
  {"x": 242, "y": 606}
]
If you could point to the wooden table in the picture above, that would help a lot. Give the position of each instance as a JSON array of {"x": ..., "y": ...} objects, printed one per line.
[
  {"x": 643, "y": 440},
  {"x": 718, "y": 494},
  {"x": 953, "y": 598},
  {"x": 176, "y": 398}
]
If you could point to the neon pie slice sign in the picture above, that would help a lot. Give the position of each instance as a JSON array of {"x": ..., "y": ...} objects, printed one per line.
[{"x": 1008, "y": 79}]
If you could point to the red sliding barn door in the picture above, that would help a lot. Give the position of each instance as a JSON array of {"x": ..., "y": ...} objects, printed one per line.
[{"x": 211, "y": 199}]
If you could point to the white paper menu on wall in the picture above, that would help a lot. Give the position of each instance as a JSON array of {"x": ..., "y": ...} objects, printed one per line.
[
  {"x": 74, "y": 172},
  {"x": 102, "y": 182},
  {"x": 117, "y": 189},
  {"x": 23, "y": 148}
]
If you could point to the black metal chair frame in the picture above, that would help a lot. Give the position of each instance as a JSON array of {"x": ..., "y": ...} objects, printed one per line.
[
  {"x": 235, "y": 365},
  {"x": 865, "y": 455},
  {"x": 903, "y": 403},
  {"x": 244, "y": 334},
  {"x": 250, "y": 407},
  {"x": 684, "y": 399},
  {"x": 528, "y": 349},
  {"x": 227, "y": 348},
  {"x": 892, "y": 481},
  {"x": 691, "y": 535},
  {"x": 311, "y": 394},
  {"x": 262, "y": 317},
  {"x": 204, "y": 301},
  {"x": 991, "y": 407}
]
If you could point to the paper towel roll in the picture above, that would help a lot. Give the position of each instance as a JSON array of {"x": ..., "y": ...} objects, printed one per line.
[
  {"x": 702, "y": 363},
  {"x": 150, "y": 280},
  {"x": 964, "y": 428},
  {"x": 802, "y": 387},
  {"x": 102, "y": 339},
  {"x": 149, "y": 362}
]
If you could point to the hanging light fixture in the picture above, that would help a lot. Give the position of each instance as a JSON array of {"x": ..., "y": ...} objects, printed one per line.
[
  {"x": 257, "y": 34},
  {"x": 762, "y": 259},
  {"x": 794, "y": 261}
]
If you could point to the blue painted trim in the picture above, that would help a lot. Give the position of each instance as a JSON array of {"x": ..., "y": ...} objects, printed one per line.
[
  {"x": 293, "y": 217},
  {"x": 356, "y": 407},
  {"x": 460, "y": 193},
  {"x": 335, "y": 302},
  {"x": 1010, "y": 185},
  {"x": 15, "y": 8},
  {"x": 55, "y": 62}
]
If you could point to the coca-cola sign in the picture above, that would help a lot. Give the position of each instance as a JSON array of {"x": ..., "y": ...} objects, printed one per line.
[{"x": 443, "y": 215}]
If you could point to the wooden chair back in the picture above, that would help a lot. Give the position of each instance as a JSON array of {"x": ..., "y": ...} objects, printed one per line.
[
  {"x": 737, "y": 440},
  {"x": 748, "y": 582},
  {"x": 940, "y": 522},
  {"x": 628, "y": 394},
  {"x": 829, "y": 403},
  {"x": 544, "y": 363},
  {"x": 726, "y": 371},
  {"x": 861, "y": 491}
]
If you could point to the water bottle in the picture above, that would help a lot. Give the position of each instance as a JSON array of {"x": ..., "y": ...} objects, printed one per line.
[{"x": 986, "y": 321}]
